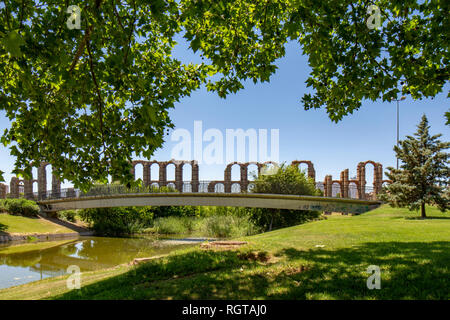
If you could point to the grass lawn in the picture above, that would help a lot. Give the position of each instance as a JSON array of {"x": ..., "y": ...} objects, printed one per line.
[
  {"x": 25, "y": 225},
  {"x": 326, "y": 259}
]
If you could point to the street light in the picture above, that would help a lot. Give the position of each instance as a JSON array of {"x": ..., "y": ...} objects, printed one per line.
[{"x": 398, "y": 100}]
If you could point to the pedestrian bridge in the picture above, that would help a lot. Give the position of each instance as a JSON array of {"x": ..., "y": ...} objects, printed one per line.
[{"x": 251, "y": 200}]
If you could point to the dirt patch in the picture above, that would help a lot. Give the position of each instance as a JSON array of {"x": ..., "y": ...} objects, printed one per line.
[
  {"x": 295, "y": 270},
  {"x": 137, "y": 261},
  {"x": 222, "y": 244},
  {"x": 261, "y": 256}
]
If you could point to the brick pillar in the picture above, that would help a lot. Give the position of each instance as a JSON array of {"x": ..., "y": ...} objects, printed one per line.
[
  {"x": 162, "y": 174},
  {"x": 344, "y": 183},
  {"x": 244, "y": 177},
  {"x": 211, "y": 186},
  {"x": 133, "y": 170},
  {"x": 28, "y": 189},
  {"x": 311, "y": 171},
  {"x": 227, "y": 179},
  {"x": 146, "y": 178},
  {"x": 361, "y": 177},
  {"x": 328, "y": 186},
  {"x": 179, "y": 176},
  {"x": 195, "y": 176},
  {"x": 14, "y": 188},
  {"x": 378, "y": 179},
  {"x": 56, "y": 186},
  {"x": 2, "y": 191},
  {"x": 42, "y": 182}
]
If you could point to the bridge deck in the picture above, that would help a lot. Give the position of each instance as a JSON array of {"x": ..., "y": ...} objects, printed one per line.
[{"x": 251, "y": 200}]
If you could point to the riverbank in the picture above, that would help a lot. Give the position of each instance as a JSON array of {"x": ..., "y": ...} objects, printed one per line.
[
  {"x": 20, "y": 228},
  {"x": 326, "y": 259}
]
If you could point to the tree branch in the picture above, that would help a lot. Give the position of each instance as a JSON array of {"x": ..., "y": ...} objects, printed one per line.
[{"x": 81, "y": 48}]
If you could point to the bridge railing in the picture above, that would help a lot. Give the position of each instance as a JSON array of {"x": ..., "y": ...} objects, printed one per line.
[{"x": 203, "y": 187}]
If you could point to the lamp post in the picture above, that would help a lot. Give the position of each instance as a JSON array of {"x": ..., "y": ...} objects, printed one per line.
[{"x": 398, "y": 100}]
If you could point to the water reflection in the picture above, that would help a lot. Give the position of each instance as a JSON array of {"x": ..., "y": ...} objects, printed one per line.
[{"x": 44, "y": 260}]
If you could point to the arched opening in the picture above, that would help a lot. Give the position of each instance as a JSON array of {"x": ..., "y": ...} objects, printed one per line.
[
  {"x": 235, "y": 172},
  {"x": 303, "y": 167},
  {"x": 336, "y": 190},
  {"x": 219, "y": 187},
  {"x": 139, "y": 172},
  {"x": 154, "y": 172},
  {"x": 170, "y": 172},
  {"x": 49, "y": 175},
  {"x": 235, "y": 188},
  {"x": 369, "y": 178},
  {"x": 353, "y": 190},
  {"x": 155, "y": 184},
  {"x": 34, "y": 172},
  {"x": 187, "y": 172},
  {"x": 171, "y": 185},
  {"x": 252, "y": 172}
]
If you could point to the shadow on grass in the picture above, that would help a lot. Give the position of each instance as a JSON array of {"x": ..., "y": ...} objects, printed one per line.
[
  {"x": 409, "y": 270},
  {"x": 428, "y": 218},
  {"x": 3, "y": 227}
]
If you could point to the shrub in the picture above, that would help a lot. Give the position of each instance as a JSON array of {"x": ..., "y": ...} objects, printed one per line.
[
  {"x": 287, "y": 180},
  {"x": 118, "y": 221},
  {"x": 222, "y": 226},
  {"x": 171, "y": 225},
  {"x": 67, "y": 215},
  {"x": 20, "y": 206}
]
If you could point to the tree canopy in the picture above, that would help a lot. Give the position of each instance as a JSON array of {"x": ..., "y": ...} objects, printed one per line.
[{"x": 87, "y": 99}]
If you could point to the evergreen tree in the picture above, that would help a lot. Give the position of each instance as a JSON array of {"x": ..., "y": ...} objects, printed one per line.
[{"x": 424, "y": 173}]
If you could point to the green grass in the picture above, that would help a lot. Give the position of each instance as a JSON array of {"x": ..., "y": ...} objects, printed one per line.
[
  {"x": 324, "y": 259},
  {"x": 29, "y": 247},
  {"x": 26, "y": 225}
]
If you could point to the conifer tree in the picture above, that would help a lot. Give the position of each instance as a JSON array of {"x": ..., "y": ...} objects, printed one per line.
[{"x": 424, "y": 173}]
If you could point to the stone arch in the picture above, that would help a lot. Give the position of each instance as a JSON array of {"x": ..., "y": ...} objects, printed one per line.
[
  {"x": 333, "y": 184},
  {"x": 354, "y": 189},
  {"x": 227, "y": 176},
  {"x": 248, "y": 170},
  {"x": 134, "y": 165},
  {"x": 150, "y": 165},
  {"x": 377, "y": 177},
  {"x": 311, "y": 170},
  {"x": 212, "y": 185},
  {"x": 263, "y": 164}
]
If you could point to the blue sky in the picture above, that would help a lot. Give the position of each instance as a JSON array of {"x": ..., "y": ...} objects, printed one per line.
[{"x": 368, "y": 134}]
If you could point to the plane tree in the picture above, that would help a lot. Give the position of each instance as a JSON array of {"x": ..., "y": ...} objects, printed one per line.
[{"x": 87, "y": 89}]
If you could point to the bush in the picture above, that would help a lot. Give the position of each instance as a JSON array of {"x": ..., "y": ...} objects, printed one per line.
[
  {"x": 67, "y": 215},
  {"x": 118, "y": 221},
  {"x": 287, "y": 180},
  {"x": 20, "y": 206},
  {"x": 222, "y": 226},
  {"x": 174, "y": 225}
]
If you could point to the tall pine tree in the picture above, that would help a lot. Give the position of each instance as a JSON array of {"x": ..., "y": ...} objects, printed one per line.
[{"x": 423, "y": 177}]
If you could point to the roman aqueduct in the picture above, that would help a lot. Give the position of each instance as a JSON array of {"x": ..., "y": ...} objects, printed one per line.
[{"x": 329, "y": 186}]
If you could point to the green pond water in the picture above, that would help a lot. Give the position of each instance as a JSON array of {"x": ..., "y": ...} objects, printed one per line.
[{"x": 26, "y": 262}]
